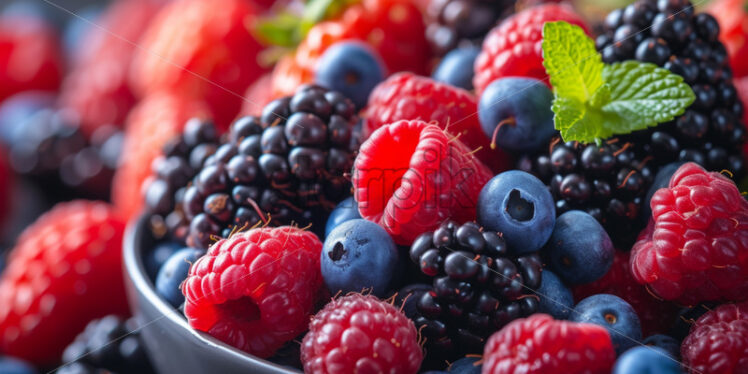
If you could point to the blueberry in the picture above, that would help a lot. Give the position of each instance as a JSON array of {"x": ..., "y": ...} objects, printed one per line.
[
  {"x": 466, "y": 365},
  {"x": 646, "y": 360},
  {"x": 555, "y": 298},
  {"x": 174, "y": 272},
  {"x": 580, "y": 251},
  {"x": 352, "y": 69},
  {"x": 661, "y": 180},
  {"x": 518, "y": 205},
  {"x": 18, "y": 109},
  {"x": 358, "y": 255},
  {"x": 77, "y": 29},
  {"x": 155, "y": 259},
  {"x": 9, "y": 365},
  {"x": 516, "y": 113},
  {"x": 666, "y": 343},
  {"x": 613, "y": 313},
  {"x": 456, "y": 68},
  {"x": 345, "y": 211}
]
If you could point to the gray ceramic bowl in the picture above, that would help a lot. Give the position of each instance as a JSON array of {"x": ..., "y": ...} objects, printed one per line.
[{"x": 174, "y": 347}]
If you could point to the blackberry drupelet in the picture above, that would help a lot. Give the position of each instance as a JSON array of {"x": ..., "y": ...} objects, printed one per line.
[
  {"x": 287, "y": 166},
  {"x": 109, "y": 344},
  {"x": 670, "y": 34},
  {"x": 477, "y": 288},
  {"x": 453, "y": 22}
]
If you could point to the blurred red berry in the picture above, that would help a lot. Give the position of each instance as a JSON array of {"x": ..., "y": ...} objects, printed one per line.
[
  {"x": 718, "y": 342},
  {"x": 732, "y": 16}
]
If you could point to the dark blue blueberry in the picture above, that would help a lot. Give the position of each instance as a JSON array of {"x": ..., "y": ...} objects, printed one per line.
[
  {"x": 18, "y": 109},
  {"x": 580, "y": 251},
  {"x": 9, "y": 365},
  {"x": 456, "y": 68},
  {"x": 466, "y": 365},
  {"x": 352, "y": 69},
  {"x": 155, "y": 259},
  {"x": 38, "y": 10},
  {"x": 666, "y": 343},
  {"x": 408, "y": 296},
  {"x": 358, "y": 255},
  {"x": 516, "y": 113},
  {"x": 174, "y": 272},
  {"x": 662, "y": 180},
  {"x": 555, "y": 298},
  {"x": 646, "y": 360},
  {"x": 76, "y": 29},
  {"x": 345, "y": 211},
  {"x": 613, "y": 313},
  {"x": 520, "y": 206}
]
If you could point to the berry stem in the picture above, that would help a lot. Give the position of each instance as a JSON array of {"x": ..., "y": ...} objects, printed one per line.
[{"x": 507, "y": 121}]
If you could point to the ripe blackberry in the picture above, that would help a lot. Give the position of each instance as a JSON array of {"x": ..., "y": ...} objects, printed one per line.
[
  {"x": 453, "y": 22},
  {"x": 286, "y": 166},
  {"x": 609, "y": 182},
  {"x": 477, "y": 287},
  {"x": 109, "y": 344},
  {"x": 670, "y": 34}
]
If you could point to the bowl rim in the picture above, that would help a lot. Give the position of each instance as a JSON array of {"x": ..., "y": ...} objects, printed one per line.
[{"x": 135, "y": 270}]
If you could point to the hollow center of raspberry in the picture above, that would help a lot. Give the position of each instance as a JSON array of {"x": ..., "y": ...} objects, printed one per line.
[
  {"x": 338, "y": 250},
  {"x": 242, "y": 309},
  {"x": 519, "y": 208}
]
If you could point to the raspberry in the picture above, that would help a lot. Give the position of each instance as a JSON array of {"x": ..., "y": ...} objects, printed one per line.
[
  {"x": 257, "y": 96},
  {"x": 718, "y": 341},
  {"x": 696, "y": 245},
  {"x": 513, "y": 48},
  {"x": 405, "y": 96},
  {"x": 255, "y": 290},
  {"x": 731, "y": 16},
  {"x": 361, "y": 334},
  {"x": 540, "y": 344},
  {"x": 411, "y": 176},
  {"x": 65, "y": 271}
]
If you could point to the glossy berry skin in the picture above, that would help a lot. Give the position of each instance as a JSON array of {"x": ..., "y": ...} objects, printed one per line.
[
  {"x": 646, "y": 360},
  {"x": 156, "y": 257},
  {"x": 717, "y": 342},
  {"x": 467, "y": 365},
  {"x": 456, "y": 23},
  {"x": 256, "y": 290},
  {"x": 579, "y": 250},
  {"x": 358, "y": 333},
  {"x": 661, "y": 180},
  {"x": 358, "y": 255},
  {"x": 730, "y": 15},
  {"x": 555, "y": 298},
  {"x": 351, "y": 68},
  {"x": 694, "y": 247},
  {"x": 551, "y": 347},
  {"x": 615, "y": 315},
  {"x": 456, "y": 68},
  {"x": 667, "y": 343},
  {"x": 345, "y": 211},
  {"x": 519, "y": 206},
  {"x": 10, "y": 365},
  {"x": 173, "y": 273},
  {"x": 522, "y": 107}
]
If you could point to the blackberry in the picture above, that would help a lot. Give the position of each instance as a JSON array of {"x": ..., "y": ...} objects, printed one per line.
[
  {"x": 454, "y": 22},
  {"x": 287, "y": 166},
  {"x": 109, "y": 344},
  {"x": 670, "y": 34},
  {"x": 477, "y": 287}
]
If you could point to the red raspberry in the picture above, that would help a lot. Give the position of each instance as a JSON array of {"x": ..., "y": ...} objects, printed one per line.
[
  {"x": 656, "y": 316},
  {"x": 201, "y": 50},
  {"x": 6, "y": 181},
  {"x": 696, "y": 246},
  {"x": 411, "y": 176},
  {"x": 151, "y": 124},
  {"x": 540, "y": 344},
  {"x": 718, "y": 341},
  {"x": 361, "y": 334},
  {"x": 732, "y": 16},
  {"x": 513, "y": 48},
  {"x": 408, "y": 96},
  {"x": 65, "y": 271},
  {"x": 257, "y": 289},
  {"x": 257, "y": 96}
]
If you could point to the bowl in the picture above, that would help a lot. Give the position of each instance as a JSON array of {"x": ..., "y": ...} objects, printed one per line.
[{"x": 172, "y": 345}]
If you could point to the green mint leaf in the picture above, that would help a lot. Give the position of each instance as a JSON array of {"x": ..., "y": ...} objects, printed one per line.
[
  {"x": 279, "y": 30},
  {"x": 571, "y": 61},
  {"x": 580, "y": 121}
]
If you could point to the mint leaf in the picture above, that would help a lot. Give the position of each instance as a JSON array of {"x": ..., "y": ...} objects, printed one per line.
[
  {"x": 281, "y": 30},
  {"x": 571, "y": 61},
  {"x": 580, "y": 121}
]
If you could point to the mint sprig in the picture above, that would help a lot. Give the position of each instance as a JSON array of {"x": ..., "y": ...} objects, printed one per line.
[{"x": 594, "y": 101}]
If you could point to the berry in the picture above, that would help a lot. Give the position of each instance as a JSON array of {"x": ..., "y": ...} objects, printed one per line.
[
  {"x": 467, "y": 365},
  {"x": 256, "y": 290},
  {"x": 77, "y": 29},
  {"x": 408, "y": 296},
  {"x": 520, "y": 207},
  {"x": 516, "y": 113},
  {"x": 351, "y": 68},
  {"x": 513, "y": 48},
  {"x": 359, "y": 255},
  {"x": 75, "y": 251},
  {"x": 17, "y": 109},
  {"x": 550, "y": 347},
  {"x": 257, "y": 96},
  {"x": 357, "y": 333},
  {"x": 6, "y": 183},
  {"x": 10, "y": 365},
  {"x": 345, "y": 211},
  {"x": 661, "y": 180},
  {"x": 694, "y": 247},
  {"x": 450, "y": 23},
  {"x": 110, "y": 344},
  {"x": 730, "y": 16},
  {"x": 717, "y": 343},
  {"x": 646, "y": 360},
  {"x": 579, "y": 250},
  {"x": 156, "y": 257},
  {"x": 667, "y": 343},
  {"x": 410, "y": 176},
  {"x": 615, "y": 315},
  {"x": 173, "y": 273},
  {"x": 456, "y": 68},
  {"x": 477, "y": 287},
  {"x": 405, "y": 96},
  {"x": 555, "y": 298}
]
